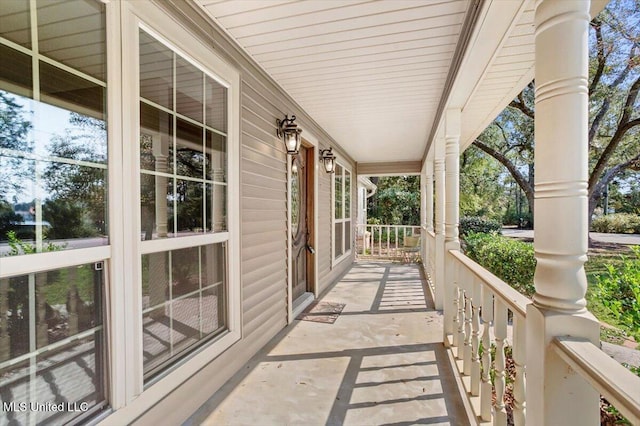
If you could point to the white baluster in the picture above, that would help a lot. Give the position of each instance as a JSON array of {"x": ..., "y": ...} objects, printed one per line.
[
  {"x": 475, "y": 341},
  {"x": 519, "y": 357},
  {"x": 455, "y": 336},
  {"x": 486, "y": 388},
  {"x": 500, "y": 330},
  {"x": 468, "y": 284},
  {"x": 460, "y": 324}
]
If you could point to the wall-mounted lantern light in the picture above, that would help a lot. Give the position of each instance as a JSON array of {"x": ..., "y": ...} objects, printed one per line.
[
  {"x": 289, "y": 132},
  {"x": 329, "y": 160}
]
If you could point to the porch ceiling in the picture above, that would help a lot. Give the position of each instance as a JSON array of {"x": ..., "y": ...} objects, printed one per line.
[{"x": 373, "y": 74}]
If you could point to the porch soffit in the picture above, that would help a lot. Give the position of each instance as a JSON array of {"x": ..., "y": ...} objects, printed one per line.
[{"x": 372, "y": 73}]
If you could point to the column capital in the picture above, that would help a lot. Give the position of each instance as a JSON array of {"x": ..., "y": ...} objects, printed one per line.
[{"x": 452, "y": 123}]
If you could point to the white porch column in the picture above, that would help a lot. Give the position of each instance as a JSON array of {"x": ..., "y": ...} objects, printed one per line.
[
  {"x": 423, "y": 218},
  {"x": 427, "y": 207},
  {"x": 429, "y": 194},
  {"x": 452, "y": 171},
  {"x": 439, "y": 216},
  {"x": 555, "y": 394}
]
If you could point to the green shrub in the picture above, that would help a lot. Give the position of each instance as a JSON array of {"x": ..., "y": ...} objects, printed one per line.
[
  {"x": 618, "y": 223},
  {"x": 619, "y": 291},
  {"x": 470, "y": 224},
  {"x": 511, "y": 260}
]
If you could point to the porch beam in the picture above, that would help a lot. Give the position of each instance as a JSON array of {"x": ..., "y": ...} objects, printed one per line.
[
  {"x": 390, "y": 168},
  {"x": 555, "y": 393}
]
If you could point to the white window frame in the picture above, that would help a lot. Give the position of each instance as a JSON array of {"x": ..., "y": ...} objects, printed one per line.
[
  {"x": 334, "y": 221},
  {"x": 127, "y": 298},
  {"x": 47, "y": 261}
]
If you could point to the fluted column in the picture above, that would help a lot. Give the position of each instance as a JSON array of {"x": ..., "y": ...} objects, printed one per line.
[
  {"x": 452, "y": 177},
  {"x": 561, "y": 161},
  {"x": 438, "y": 164}
]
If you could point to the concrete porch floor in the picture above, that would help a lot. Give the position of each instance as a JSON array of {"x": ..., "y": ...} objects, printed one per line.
[{"x": 381, "y": 363}]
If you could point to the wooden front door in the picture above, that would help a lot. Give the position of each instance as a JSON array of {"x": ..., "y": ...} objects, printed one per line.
[{"x": 302, "y": 250}]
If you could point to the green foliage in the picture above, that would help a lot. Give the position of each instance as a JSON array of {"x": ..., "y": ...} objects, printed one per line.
[
  {"x": 619, "y": 292},
  {"x": 18, "y": 246},
  {"x": 481, "y": 188},
  {"x": 397, "y": 201},
  {"x": 511, "y": 260},
  {"x": 618, "y": 223},
  {"x": 477, "y": 224},
  {"x": 15, "y": 128}
]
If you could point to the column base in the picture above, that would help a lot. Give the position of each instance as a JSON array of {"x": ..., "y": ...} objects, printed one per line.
[{"x": 557, "y": 395}]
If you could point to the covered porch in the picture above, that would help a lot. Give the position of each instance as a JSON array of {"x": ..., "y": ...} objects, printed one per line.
[{"x": 382, "y": 361}]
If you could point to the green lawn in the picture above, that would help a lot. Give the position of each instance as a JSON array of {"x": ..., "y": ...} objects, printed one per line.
[{"x": 596, "y": 265}]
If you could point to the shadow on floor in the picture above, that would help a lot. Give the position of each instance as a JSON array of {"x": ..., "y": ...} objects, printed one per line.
[{"x": 381, "y": 363}]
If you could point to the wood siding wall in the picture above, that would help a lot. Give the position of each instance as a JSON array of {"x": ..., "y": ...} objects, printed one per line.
[{"x": 263, "y": 212}]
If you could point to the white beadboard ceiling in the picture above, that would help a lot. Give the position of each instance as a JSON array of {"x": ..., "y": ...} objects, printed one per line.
[{"x": 372, "y": 73}]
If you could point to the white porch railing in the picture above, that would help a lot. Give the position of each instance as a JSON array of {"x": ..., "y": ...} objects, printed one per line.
[
  {"x": 487, "y": 312},
  {"x": 383, "y": 241},
  {"x": 482, "y": 303}
]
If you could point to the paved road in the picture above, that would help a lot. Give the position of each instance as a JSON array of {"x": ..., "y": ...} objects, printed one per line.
[{"x": 629, "y": 239}]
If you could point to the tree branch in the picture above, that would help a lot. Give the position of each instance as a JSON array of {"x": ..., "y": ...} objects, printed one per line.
[
  {"x": 522, "y": 181},
  {"x": 597, "y": 26},
  {"x": 609, "y": 175},
  {"x": 607, "y": 101},
  {"x": 624, "y": 125},
  {"x": 521, "y": 105}
]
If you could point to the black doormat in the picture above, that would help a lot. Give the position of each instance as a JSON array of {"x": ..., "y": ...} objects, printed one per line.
[{"x": 325, "y": 312}]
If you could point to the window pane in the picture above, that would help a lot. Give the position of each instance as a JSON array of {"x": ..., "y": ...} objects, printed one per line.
[
  {"x": 347, "y": 195},
  {"x": 213, "y": 310},
  {"x": 189, "y": 157},
  {"x": 190, "y": 311},
  {"x": 53, "y": 203},
  {"x": 155, "y": 280},
  {"x": 67, "y": 134},
  {"x": 216, "y": 99},
  {"x": 156, "y": 339},
  {"x": 347, "y": 236},
  {"x": 15, "y": 22},
  {"x": 156, "y": 71},
  {"x": 185, "y": 323},
  {"x": 69, "y": 91},
  {"x": 156, "y": 206},
  {"x": 76, "y": 207},
  {"x": 73, "y": 32},
  {"x": 15, "y": 72},
  {"x": 155, "y": 318},
  {"x": 67, "y": 310},
  {"x": 156, "y": 139},
  {"x": 189, "y": 89},
  {"x": 216, "y": 157},
  {"x": 216, "y": 196},
  {"x": 338, "y": 239},
  {"x": 212, "y": 261},
  {"x": 185, "y": 271},
  {"x": 189, "y": 205}
]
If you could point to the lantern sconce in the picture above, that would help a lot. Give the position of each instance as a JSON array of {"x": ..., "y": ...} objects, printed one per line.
[
  {"x": 329, "y": 160},
  {"x": 289, "y": 132}
]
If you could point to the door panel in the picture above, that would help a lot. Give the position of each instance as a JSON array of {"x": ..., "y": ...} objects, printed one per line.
[{"x": 300, "y": 223}]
